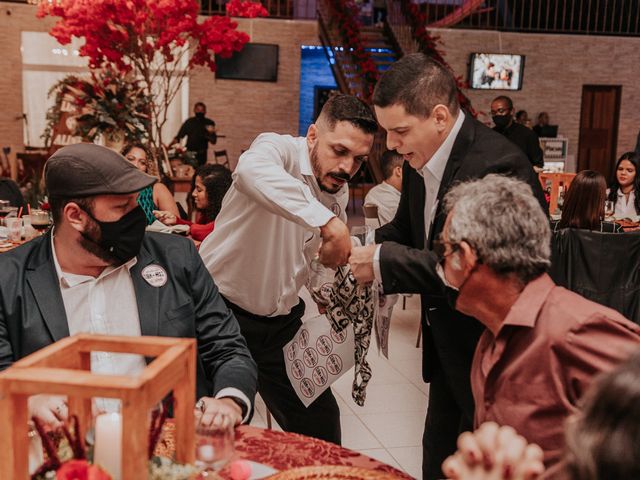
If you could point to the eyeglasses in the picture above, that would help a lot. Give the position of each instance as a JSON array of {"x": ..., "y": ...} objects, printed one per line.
[
  {"x": 440, "y": 248},
  {"x": 500, "y": 111}
]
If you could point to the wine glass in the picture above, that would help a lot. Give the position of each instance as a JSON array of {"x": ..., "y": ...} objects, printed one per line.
[
  {"x": 214, "y": 446},
  {"x": 363, "y": 233},
  {"x": 609, "y": 209}
]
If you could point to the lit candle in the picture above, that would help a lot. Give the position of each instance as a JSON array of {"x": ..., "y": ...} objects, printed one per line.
[{"x": 108, "y": 443}]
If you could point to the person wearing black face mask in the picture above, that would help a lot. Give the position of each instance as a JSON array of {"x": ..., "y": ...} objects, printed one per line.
[
  {"x": 98, "y": 271},
  {"x": 200, "y": 131},
  {"x": 502, "y": 114}
]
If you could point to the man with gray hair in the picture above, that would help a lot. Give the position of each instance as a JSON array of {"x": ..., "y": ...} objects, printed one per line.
[{"x": 542, "y": 344}]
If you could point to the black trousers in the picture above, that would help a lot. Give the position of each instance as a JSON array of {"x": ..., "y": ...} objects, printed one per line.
[{"x": 266, "y": 336}]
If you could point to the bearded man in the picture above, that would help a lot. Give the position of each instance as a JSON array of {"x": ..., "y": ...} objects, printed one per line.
[
  {"x": 288, "y": 195},
  {"x": 98, "y": 271}
]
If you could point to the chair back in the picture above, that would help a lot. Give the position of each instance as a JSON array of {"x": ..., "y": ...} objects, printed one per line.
[
  {"x": 371, "y": 215},
  {"x": 602, "y": 267},
  {"x": 552, "y": 183},
  {"x": 222, "y": 154}
]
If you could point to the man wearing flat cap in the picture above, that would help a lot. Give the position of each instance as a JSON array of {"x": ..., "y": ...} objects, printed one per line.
[{"x": 98, "y": 271}]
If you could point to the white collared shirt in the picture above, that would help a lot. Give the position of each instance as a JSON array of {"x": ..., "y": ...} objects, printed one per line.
[
  {"x": 432, "y": 173},
  {"x": 88, "y": 303},
  {"x": 625, "y": 207},
  {"x": 268, "y": 229},
  {"x": 386, "y": 197},
  {"x": 107, "y": 305}
]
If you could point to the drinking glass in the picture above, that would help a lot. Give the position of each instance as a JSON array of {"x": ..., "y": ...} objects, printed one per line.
[
  {"x": 40, "y": 219},
  {"x": 609, "y": 208},
  {"x": 14, "y": 225},
  {"x": 364, "y": 234},
  {"x": 214, "y": 446}
]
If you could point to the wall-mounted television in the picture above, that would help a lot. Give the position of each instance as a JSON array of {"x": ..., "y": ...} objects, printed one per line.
[
  {"x": 256, "y": 61},
  {"x": 496, "y": 71}
]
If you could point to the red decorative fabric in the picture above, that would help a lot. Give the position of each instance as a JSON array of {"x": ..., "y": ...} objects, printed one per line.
[{"x": 283, "y": 450}]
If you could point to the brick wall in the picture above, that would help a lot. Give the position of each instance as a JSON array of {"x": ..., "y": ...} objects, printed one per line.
[
  {"x": 244, "y": 109},
  {"x": 241, "y": 109},
  {"x": 556, "y": 68}
]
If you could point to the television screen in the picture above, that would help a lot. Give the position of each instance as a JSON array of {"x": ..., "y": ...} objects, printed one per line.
[
  {"x": 256, "y": 61},
  {"x": 496, "y": 71}
]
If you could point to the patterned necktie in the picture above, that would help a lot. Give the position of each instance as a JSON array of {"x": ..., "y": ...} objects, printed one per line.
[{"x": 353, "y": 303}]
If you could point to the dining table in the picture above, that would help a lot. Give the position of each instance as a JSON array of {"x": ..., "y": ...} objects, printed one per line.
[{"x": 285, "y": 451}]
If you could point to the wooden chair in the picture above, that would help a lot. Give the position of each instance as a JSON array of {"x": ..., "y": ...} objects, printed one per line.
[
  {"x": 222, "y": 154},
  {"x": 551, "y": 183},
  {"x": 371, "y": 213}
]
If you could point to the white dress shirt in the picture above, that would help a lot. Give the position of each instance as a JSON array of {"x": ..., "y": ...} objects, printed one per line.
[
  {"x": 625, "y": 207},
  {"x": 268, "y": 229},
  {"x": 386, "y": 197},
  {"x": 107, "y": 305},
  {"x": 432, "y": 173}
]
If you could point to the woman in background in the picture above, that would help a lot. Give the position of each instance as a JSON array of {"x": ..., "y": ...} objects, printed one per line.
[
  {"x": 584, "y": 205},
  {"x": 624, "y": 191},
  {"x": 155, "y": 197},
  {"x": 210, "y": 184}
]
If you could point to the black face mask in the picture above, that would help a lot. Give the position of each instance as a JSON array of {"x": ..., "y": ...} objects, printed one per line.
[
  {"x": 501, "y": 121},
  {"x": 121, "y": 239},
  {"x": 199, "y": 115}
]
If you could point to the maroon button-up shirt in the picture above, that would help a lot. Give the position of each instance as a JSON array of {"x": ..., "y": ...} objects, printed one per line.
[{"x": 548, "y": 349}]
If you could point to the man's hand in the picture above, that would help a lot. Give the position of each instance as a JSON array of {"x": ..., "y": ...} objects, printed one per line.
[
  {"x": 217, "y": 412},
  {"x": 494, "y": 453},
  {"x": 336, "y": 243},
  {"x": 361, "y": 261},
  {"x": 50, "y": 409}
]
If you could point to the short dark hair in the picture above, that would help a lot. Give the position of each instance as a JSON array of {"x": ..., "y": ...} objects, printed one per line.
[
  {"x": 57, "y": 205},
  {"x": 216, "y": 180},
  {"x": 504, "y": 98},
  {"x": 347, "y": 108},
  {"x": 418, "y": 83},
  {"x": 200, "y": 104},
  {"x": 390, "y": 160},
  {"x": 520, "y": 114},
  {"x": 584, "y": 201}
]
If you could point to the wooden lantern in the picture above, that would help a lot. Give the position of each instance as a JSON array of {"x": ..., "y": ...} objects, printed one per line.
[{"x": 63, "y": 368}]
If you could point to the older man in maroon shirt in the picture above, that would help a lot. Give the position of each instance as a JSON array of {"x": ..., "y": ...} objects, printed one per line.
[{"x": 543, "y": 344}]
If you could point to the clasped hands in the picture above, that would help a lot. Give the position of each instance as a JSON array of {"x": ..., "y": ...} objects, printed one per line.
[{"x": 336, "y": 250}]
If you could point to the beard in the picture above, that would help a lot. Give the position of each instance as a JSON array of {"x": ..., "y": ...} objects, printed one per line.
[
  {"x": 90, "y": 242},
  {"x": 315, "y": 165}
]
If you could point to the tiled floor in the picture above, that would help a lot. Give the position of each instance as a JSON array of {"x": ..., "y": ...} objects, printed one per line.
[{"x": 389, "y": 426}]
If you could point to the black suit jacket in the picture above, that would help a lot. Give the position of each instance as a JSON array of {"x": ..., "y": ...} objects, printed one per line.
[
  {"x": 32, "y": 313},
  {"x": 408, "y": 267}
]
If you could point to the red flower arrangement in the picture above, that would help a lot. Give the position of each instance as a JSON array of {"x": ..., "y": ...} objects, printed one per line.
[
  {"x": 159, "y": 41},
  {"x": 345, "y": 13},
  {"x": 427, "y": 44},
  {"x": 81, "y": 470},
  {"x": 246, "y": 9}
]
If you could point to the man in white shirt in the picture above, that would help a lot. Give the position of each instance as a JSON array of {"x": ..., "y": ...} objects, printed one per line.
[
  {"x": 386, "y": 195},
  {"x": 288, "y": 197},
  {"x": 416, "y": 102},
  {"x": 98, "y": 271}
]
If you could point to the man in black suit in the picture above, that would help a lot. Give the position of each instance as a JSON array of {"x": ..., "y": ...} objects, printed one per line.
[
  {"x": 416, "y": 103},
  {"x": 98, "y": 271}
]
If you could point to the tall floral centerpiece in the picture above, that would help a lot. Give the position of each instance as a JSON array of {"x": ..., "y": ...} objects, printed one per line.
[{"x": 157, "y": 41}]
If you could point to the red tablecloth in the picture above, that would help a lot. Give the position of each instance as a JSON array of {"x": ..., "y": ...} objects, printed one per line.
[{"x": 282, "y": 450}]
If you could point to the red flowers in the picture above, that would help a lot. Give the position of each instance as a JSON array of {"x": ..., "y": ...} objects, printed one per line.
[
  {"x": 81, "y": 470},
  {"x": 345, "y": 13},
  {"x": 246, "y": 9}
]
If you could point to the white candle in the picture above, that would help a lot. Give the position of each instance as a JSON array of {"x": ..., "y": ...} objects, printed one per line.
[{"x": 108, "y": 443}]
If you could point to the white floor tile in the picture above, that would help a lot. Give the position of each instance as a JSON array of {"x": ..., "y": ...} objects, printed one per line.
[
  {"x": 355, "y": 435},
  {"x": 410, "y": 460},
  {"x": 404, "y": 397},
  {"x": 396, "y": 429}
]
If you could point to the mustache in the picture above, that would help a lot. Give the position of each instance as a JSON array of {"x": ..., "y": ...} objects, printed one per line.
[{"x": 340, "y": 175}]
